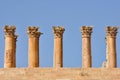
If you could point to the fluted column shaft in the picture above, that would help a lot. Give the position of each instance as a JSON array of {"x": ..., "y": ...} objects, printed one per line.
[
  {"x": 58, "y": 46},
  {"x": 10, "y": 47},
  {"x": 33, "y": 46},
  {"x": 111, "y": 33},
  {"x": 86, "y": 46}
]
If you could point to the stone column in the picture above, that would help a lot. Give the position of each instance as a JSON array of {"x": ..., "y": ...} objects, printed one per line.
[
  {"x": 111, "y": 33},
  {"x": 86, "y": 46},
  {"x": 58, "y": 46},
  {"x": 10, "y": 47},
  {"x": 33, "y": 46}
]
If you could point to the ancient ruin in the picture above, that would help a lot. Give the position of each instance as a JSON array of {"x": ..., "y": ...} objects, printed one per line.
[
  {"x": 86, "y": 46},
  {"x": 10, "y": 47},
  {"x": 58, "y": 51},
  {"x": 109, "y": 71},
  {"x": 33, "y": 48}
]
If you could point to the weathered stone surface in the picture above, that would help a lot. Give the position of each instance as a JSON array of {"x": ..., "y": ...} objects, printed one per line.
[
  {"x": 33, "y": 46},
  {"x": 111, "y": 33},
  {"x": 10, "y": 46},
  {"x": 58, "y": 46},
  {"x": 59, "y": 74},
  {"x": 86, "y": 46}
]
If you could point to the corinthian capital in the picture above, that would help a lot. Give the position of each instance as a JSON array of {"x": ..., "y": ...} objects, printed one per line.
[
  {"x": 86, "y": 31},
  {"x": 33, "y": 32},
  {"x": 111, "y": 31},
  {"x": 9, "y": 30},
  {"x": 58, "y": 31}
]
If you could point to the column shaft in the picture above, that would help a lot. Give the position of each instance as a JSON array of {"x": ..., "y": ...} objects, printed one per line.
[
  {"x": 58, "y": 52},
  {"x": 10, "y": 47},
  {"x": 86, "y": 46},
  {"x": 58, "y": 46},
  {"x": 33, "y": 52},
  {"x": 111, "y": 52},
  {"x": 111, "y": 47},
  {"x": 33, "y": 46},
  {"x": 86, "y": 53}
]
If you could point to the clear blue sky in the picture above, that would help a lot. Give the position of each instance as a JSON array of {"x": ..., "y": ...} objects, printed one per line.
[{"x": 68, "y": 13}]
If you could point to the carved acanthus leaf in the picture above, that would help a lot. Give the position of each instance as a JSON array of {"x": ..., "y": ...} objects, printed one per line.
[
  {"x": 111, "y": 31},
  {"x": 58, "y": 31},
  {"x": 33, "y": 32},
  {"x": 86, "y": 31},
  {"x": 9, "y": 30}
]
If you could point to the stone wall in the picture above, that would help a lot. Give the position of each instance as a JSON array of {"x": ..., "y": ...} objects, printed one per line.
[{"x": 59, "y": 74}]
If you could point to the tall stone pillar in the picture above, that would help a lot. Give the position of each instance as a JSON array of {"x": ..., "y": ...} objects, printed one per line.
[
  {"x": 10, "y": 47},
  {"x": 86, "y": 46},
  {"x": 111, "y": 33},
  {"x": 33, "y": 46},
  {"x": 58, "y": 46}
]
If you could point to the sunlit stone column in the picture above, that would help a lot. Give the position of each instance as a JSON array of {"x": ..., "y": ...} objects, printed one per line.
[
  {"x": 86, "y": 46},
  {"x": 10, "y": 47},
  {"x": 58, "y": 46},
  {"x": 33, "y": 46},
  {"x": 111, "y": 33}
]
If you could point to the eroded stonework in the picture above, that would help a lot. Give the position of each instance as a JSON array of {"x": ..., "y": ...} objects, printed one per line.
[
  {"x": 111, "y": 31},
  {"x": 86, "y": 31},
  {"x": 109, "y": 71},
  {"x": 58, "y": 31},
  {"x": 10, "y": 46},
  {"x": 58, "y": 46},
  {"x": 60, "y": 74},
  {"x": 9, "y": 30},
  {"x": 111, "y": 59},
  {"x": 33, "y": 31}
]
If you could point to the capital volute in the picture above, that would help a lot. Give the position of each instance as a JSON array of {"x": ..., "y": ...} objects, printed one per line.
[
  {"x": 33, "y": 32},
  {"x": 86, "y": 31},
  {"x": 111, "y": 31},
  {"x": 9, "y": 30},
  {"x": 15, "y": 37},
  {"x": 58, "y": 31}
]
